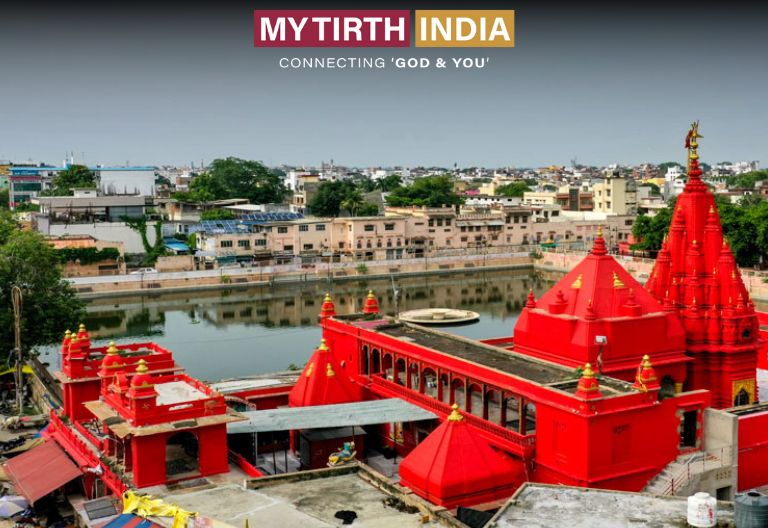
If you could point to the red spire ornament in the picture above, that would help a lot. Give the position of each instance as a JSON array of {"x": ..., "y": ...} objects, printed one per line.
[
  {"x": 328, "y": 309},
  {"x": 371, "y": 305}
]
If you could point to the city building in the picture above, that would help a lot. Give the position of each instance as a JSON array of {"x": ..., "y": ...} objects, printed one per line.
[
  {"x": 28, "y": 181},
  {"x": 615, "y": 195},
  {"x": 100, "y": 217},
  {"x": 90, "y": 257}
]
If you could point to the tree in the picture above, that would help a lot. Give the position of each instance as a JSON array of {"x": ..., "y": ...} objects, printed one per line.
[
  {"x": 432, "y": 191},
  {"x": 389, "y": 183},
  {"x": 74, "y": 176},
  {"x": 747, "y": 180},
  {"x": 334, "y": 196},
  {"x": 246, "y": 179},
  {"x": 328, "y": 198},
  {"x": 5, "y": 199},
  {"x": 649, "y": 231},
  {"x": 352, "y": 202},
  {"x": 207, "y": 188},
  {"x": 514, "y": 189},
  {"x": 217, "y": 214},
  {"x": 49, "y": 304},
  {"x": 667, "y": 164},
  {"x": 655, "y": 190}
]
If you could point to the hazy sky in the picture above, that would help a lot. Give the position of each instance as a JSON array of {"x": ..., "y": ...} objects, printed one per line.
[{"x": 183, "y": 82}]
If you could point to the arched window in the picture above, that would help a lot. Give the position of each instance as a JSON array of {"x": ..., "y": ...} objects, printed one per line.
[
  {"x": 376, "y": 361},
  {"x": 400, "y": 367},
  {"x": 364, "y": 365},
  {"x": 429, "y": 382},
  {"x": 742, "y": 398}
]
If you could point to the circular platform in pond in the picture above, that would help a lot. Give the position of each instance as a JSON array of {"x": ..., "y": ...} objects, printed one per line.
[{"x": 437, "y": 316}]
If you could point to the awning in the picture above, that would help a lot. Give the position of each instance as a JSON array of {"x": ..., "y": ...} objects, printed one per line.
[
  {"x": 40, "y": 471},
  {"x": 321, "y": 416},
  {"x": 128, "y": 520}
]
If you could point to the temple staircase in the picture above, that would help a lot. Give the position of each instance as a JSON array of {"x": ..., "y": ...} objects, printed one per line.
[{"x": 682, "y": 476}]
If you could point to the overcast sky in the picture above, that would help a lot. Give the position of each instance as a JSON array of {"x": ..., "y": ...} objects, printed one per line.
[{"x": 183, "y": 83}]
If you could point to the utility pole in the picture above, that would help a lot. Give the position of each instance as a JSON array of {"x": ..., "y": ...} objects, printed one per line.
[{"x": 16, "y": 299}]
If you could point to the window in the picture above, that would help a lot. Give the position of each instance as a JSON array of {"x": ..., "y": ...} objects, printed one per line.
[
  {"x": 245, "y": 244},
  {"x": 431, "y": 222},
  {"x": 226, "y": 243},
  {"x": 447, "y": 221},
  {"x": 303, "y": 227},
  {"x": 261, "y": 242},
  {"x": 439, "y": 222},
  {"x": 368, "y": 227},
  {"x": 389, "y": 227},
  {"x": 288, "y": 247},
  {"x": 308, "y": 247},
  {"x": 320, "y": 227},
  {"x": 282, "y": 229}
]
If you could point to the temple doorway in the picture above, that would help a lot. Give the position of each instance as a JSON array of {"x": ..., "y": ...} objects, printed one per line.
[{"x": 181, "y": 455}]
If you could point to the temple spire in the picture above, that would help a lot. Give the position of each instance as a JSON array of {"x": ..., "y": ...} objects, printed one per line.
[
  {"x": 598, "y": 247},
  {"x": 694, "y": 171}
]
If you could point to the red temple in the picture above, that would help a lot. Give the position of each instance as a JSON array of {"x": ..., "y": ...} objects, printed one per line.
[{"x": 605, "y": 383}]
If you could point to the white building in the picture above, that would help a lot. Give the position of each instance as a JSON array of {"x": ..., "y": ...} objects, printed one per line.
[{"x": 137, "y": 181}]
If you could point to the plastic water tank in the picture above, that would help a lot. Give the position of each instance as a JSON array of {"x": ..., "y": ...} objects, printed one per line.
[
  {"x": 751, "y": 510},
  {"x": 702, "y": 510}
]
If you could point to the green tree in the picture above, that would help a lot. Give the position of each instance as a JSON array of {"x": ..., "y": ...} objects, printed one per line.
[
  {"x": 514, "y": 189},
  {"x": 389, "y": 183},
  {"x": 49, "y": 304},
  {"x": 74, "y": 176},
  {"x": 352, "y": 202},
  {"x": 432, "y": 191},
  {"x": 328, "y": 198},
  {"x": 649, "y": 231},
  {"x": 217, "y": 214},
  {"x": 655, "y": 190},
  {"x": 5, "y": 199},
  {"x": 667, "y": 164},
  {"x": 246, "y": 179},
  {"x": 207, "y": 188},
  {"x": 747, "y": 180}
]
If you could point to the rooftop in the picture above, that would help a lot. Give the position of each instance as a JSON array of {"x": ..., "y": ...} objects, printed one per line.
[
  {"x": 174, "y": 392},
  {"x": 308, "y": 499},
  {"x": 475, "y": 352},
  {"x": 544, "y": 506}
]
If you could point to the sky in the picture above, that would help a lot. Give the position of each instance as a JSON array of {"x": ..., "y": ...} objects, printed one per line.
[{"x": 603, "y": 83}]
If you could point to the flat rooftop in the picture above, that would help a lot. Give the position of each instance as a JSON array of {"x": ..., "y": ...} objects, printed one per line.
[
  {"x": 298, "y": 500},
  {"x": 543, "y": 506},
  {"x": 174, "y": 392},
  {"x": 476, "y": 352}
]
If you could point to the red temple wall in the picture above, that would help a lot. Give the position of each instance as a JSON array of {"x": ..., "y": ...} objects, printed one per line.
[
  {"x": 76, "y": 394},
  {"x": 149, "y": 454},
  {"x": 753, "y": 450}
]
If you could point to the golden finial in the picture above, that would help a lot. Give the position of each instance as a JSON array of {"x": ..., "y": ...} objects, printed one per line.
[
  {"x": 577, "y": 283},
  {"x": 82, "y": 327},
  {"x": 323, "y": 346},
  {"x": 711, "y": 209},
  {"x": 74, "y": 339},
  {"x": 694, "y": 242},
  {"x": 142, "y": 366},
  {"x": 617, "y": 283},
  {"x": 67, "y": 334},
  {"x": 455, "y": 415},
  {"x": 733, "y": 273},
  {"x": 112, "y": 350},
  {"x": 647, "y": 361},
  {"x": 329, "y": 371},
  {"x": 370, "y": 294},
  {"x": 587, "y": 372},
  {"x": 600, "y": 230},
  {"x": 327, "y": 297}
]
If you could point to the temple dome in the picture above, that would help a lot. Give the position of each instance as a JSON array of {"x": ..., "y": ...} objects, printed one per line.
[
  {"x": 454, "y": 466},
  {"x": 598, "y": 297},
  {"x": 323, "y": 382}
]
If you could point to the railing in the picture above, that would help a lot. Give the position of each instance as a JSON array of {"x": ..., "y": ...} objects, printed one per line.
[
  {"x": 698, "y": 463},
  {"x": 522, "y": 444}
]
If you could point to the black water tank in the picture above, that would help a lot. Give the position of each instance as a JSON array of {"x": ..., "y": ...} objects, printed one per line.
[{"x": 751, "y": 510}]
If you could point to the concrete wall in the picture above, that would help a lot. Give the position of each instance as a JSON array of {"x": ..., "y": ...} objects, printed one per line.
[
  {"x": 175, "y": 263},
  {"x": 102, "y": 231},
  {"x": 141, "y": 182}
]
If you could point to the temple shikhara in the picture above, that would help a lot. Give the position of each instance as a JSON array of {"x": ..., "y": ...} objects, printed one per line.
[{"x": 603, "y": 383}]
